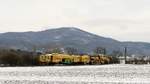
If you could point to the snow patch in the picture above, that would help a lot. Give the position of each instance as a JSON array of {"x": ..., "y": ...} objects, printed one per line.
[{"x": 57, "y": 37}]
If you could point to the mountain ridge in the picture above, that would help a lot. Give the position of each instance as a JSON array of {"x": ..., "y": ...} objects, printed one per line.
[{"x": 69, "y": 37}]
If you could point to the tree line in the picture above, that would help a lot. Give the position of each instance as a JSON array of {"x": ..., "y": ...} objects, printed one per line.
[{"x": 11, "y": 57}]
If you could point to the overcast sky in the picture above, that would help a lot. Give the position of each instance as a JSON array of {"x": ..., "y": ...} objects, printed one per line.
[{"x": 124, "y": 20}]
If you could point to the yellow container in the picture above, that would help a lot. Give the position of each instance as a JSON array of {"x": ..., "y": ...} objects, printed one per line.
[
  {"x": 76, "y": 58},
  {"x": 45, "y": 58},
  {"x": 85, "y": 59},
  {"x": 104, "y": 59},
  {"x": 95, "y": 60},
  {"x": 56, "y": 58},
  {"x": 42, "y": 58}
]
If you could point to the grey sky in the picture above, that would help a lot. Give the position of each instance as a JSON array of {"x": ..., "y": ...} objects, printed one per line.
[{"x": 120, "y": 19}]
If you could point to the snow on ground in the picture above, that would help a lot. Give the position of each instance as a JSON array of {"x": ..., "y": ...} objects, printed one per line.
[{"x": 96, "y": 74}]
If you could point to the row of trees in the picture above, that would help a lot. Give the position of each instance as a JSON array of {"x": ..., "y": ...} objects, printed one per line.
[
  {"x": 71, "y": 50},
  {"x": 10, "y": 57},
  {"x": 96, "y": 51},
  {"x": 17, "y": 58}
]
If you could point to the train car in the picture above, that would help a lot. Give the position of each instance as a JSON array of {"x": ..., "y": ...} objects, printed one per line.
[
  {"x": 67, "y": 59},
  {"x": 85, "y": 59},
  {"x": 95, "y": 60},
  {"x": 105, "y": 59},
  {"x": 56, "y": 58},
  {"x": 45, "y": 59},
  {"x": 77, "y": 59}
]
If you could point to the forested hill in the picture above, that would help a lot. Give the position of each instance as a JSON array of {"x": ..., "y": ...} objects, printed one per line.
[{"x": 64, "y": 37}]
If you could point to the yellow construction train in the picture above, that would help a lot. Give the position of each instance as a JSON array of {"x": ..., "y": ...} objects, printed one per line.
[{"x": 51, "y": 59}]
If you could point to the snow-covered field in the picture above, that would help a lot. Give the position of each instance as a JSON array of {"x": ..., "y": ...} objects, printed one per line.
[{"x": 98, "y": 74}]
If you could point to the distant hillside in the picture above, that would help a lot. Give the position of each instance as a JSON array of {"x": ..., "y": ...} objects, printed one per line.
[{"x": 68, "y": 37}]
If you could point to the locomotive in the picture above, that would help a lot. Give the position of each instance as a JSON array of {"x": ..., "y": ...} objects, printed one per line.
[{"x": 66, "y": 59}]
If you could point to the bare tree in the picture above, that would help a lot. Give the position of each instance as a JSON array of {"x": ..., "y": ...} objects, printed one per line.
[
  {"x": 116, "y": 53},
  {"x": 71, "y": 50},
  {"x": 56, "y": 50},
  {"x": 100, "y": 50}
]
